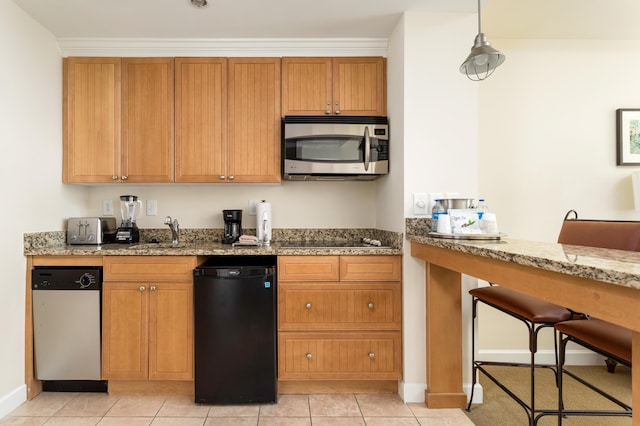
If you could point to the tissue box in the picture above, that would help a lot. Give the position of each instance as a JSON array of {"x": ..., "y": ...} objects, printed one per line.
[{"x": 464, "y": 221}]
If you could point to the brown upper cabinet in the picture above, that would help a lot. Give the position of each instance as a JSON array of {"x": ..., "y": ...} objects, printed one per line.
[
  {"x": 334, "y": 86},
  {"x": 91, "y": 120},
  {"x": 228, "y": 120},
  {"x": 118, "y": 120}
]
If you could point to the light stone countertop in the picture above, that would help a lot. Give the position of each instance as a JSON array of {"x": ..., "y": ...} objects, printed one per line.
[{"x": 607, "y": 265}]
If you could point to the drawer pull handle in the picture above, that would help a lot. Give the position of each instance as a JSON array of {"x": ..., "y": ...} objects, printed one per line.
[
  {"x": 372, "y": 355},
  {"x": 308, "y": 306},
  {"x": 152, "y": 288},
  {"x": 371, "y": 305},
  {"x": 142, "y": 288},
  {"x": 309, "y": 356}
]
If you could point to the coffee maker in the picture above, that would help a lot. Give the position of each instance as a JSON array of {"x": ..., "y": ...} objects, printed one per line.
[
  {"x": 232, "y": 226},
  {"x": 128, "y": 231}
]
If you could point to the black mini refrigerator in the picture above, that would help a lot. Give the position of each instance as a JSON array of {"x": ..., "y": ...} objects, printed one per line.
[{"x": 235, "y": 330}]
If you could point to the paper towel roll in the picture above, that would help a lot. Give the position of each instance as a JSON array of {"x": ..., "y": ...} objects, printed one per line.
[{"x": 263, "y": 222}]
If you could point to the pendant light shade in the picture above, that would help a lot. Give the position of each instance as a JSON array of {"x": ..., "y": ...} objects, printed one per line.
[{"x": 483, "y": 59}]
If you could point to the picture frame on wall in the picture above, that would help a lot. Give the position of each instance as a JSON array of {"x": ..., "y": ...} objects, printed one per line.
[{"x": 628, "y": 137}]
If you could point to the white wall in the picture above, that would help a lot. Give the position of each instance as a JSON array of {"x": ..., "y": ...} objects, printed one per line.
[
  {"x": 438, "y": 110},
  {"x": 294, "y": 204},
  {"x": 34, "y": 198},
  {"x": 548, "y": 144}
]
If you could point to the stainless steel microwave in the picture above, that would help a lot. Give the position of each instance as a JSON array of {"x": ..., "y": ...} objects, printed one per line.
[{"x": 334, "y": 147}]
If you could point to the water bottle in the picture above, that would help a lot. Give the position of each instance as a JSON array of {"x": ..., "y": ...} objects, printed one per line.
[
  {"x": 481, "y": 208},
  {"x": 436, "y": 211}
]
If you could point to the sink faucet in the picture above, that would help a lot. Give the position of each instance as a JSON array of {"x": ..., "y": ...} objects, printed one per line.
[{"x": 175, "y": 229}]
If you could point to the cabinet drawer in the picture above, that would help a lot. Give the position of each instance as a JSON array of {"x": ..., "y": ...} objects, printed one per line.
[
  {"x": 149, "y": 268},
  {"x": 339, "y": 307},
  {"x": 370, "y": 268},
  {"x": 308, "y": 268},
  {"x": 345, "y": 356}
]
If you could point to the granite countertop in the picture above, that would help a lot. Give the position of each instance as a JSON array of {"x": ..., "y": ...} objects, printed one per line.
[
  {"x": 607, "y": 265},
  {"x": 206, "y": 242},
  {"x": 199, "y": 249}
]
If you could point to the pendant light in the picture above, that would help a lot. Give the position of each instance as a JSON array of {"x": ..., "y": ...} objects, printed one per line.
[{"x": 483, "y": 59}]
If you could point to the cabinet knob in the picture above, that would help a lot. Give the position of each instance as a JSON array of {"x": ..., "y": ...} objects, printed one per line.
[
  {"x": 308, "y": 306},
  {"x": 222, "y": 177},
  {"x": 232, "y": 177},
  {"x": 328, "y": 111},
  {"x": 309, "y": 356},
  {"x": 124, "y": 178},
  {"x": 114, "y": 177},
  {"x": 371, "y": 305},
  {"x": 142, "y": 288},
  {"x": 152, "y": 288},
  {"x": 337, "y": 111},
  {"x": 372, "y": 355}
]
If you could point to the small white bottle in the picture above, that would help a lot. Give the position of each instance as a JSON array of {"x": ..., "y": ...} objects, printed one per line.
[
  {"x": 436, "y": 211},
  {"x": 481, "y": 208}
]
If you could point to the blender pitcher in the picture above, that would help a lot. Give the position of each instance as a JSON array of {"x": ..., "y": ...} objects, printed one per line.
[{"x": 128, "y": 231}]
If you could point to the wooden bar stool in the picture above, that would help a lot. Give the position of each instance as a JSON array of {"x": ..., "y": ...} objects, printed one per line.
[
  {"x": 602, "y": 337},
  {"x": 537, "y": 314}
]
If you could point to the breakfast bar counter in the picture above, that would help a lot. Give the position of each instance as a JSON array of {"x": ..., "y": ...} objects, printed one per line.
[{"x": 604, "y": 283}]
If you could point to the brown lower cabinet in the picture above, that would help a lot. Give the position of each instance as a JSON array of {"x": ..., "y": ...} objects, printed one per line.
[
  {"x": 339, "y": 318},
  {"x": 147, "y": 318}
]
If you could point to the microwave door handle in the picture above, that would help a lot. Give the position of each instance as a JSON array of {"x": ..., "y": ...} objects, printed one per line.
[{"x": 367, "y": 149}]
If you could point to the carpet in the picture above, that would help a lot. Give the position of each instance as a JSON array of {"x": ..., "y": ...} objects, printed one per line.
[{"x": 499, "y": 409}]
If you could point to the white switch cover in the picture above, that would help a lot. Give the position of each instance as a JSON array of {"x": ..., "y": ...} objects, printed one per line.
[
  {"x": 252, "y": 207},
  {"x": 420, "y": 204},
  {"x": 152, "y": 207},
  {"x": 107, "y": 207}
]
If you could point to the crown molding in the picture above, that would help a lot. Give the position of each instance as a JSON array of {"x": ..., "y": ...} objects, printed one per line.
[{"x": 130, "y": 47}]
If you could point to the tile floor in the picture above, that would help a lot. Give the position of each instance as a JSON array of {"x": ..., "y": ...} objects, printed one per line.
[{"x": 52, "y": 408}]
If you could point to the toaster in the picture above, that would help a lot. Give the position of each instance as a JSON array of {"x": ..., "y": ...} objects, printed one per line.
[{"x": 91, "y": 230}]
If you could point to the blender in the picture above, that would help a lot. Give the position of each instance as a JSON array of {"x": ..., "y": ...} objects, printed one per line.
[{"x": 128, "y": 231}]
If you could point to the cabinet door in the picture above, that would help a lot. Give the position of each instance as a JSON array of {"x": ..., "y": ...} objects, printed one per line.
[
  {"x": 357, "y": 306},
  {"x": 359, "y": 86},
  {"x": 201, "y": 119},
  {"x": 91, "y": 120},
  {"x": 306, "y": 86},
  {"x": 308, "y": 268},
  {"x": 344, "y": 356},
  {"x": 254, "y": 120},
  {"x": 125, "y": 313},
  {"x": 171, "y": 331},
  {"x": 147, "y": 120},
  {"x": 370, "y": 268}
]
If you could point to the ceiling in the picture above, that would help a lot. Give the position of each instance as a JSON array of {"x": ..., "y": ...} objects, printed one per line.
[{"x": 572, "y": 19}]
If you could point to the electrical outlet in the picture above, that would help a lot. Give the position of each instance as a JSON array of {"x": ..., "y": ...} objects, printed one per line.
[
  {"x": 420, "y": 205},
  {"x": 107, "y": 207},
  {"x": 252, "y": 207},
  {"x": 152, "y": 207}
]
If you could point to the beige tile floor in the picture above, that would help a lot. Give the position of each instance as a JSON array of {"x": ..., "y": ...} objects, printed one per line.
[{"x": 51, "y": 408}]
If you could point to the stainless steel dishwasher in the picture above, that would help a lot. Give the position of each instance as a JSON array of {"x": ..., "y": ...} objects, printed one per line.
[{"x": 67, "y": 328}]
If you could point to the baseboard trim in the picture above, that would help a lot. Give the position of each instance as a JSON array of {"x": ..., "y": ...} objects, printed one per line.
[
  {"x": 411, "y": 392},
  {"x": 12, "y": 400}
]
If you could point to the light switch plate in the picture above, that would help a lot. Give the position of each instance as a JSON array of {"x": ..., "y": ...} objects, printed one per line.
[
  {"x": 420, "y": 204},
  {"x": 107, "y": 207},
  {"x": 252, "y": 207},
  {"x": 152, "y": 207}
]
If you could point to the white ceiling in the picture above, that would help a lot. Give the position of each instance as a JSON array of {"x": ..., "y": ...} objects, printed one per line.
[{"x": 577, "y": 19}]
